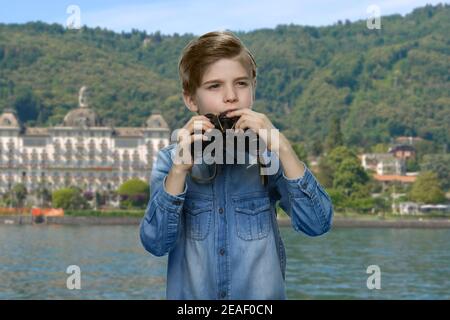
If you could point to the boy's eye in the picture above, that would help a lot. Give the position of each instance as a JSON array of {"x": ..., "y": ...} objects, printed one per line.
[{"x": 217, "y": 85}]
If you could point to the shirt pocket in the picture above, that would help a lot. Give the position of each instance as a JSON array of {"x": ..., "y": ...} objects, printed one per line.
[
  {"x": 198, "y": 212},
  {"x": 252, "y": 215}
]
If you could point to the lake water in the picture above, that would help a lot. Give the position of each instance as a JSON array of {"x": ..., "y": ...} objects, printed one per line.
[{"x": 414, "y": 263}]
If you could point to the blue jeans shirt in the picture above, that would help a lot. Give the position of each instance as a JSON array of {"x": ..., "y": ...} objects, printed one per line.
[{"x": 222, "y": 237}]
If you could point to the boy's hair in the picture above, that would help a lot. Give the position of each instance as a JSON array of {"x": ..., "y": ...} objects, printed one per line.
[{"x": 207, "y": 49}]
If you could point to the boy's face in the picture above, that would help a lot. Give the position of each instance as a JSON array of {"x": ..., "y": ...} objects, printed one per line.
[{"x": 225, "y": 85}]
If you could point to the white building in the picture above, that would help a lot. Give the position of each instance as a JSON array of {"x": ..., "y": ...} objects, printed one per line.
[
  {"x": 383, "y": 163},
  {"x": 80, "y": 152},
  {"x": 412, "y": 208},
  {"x": 406, "y": 208}
]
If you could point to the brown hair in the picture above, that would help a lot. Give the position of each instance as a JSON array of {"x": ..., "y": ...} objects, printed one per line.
[{"x": 207, "y": 49}]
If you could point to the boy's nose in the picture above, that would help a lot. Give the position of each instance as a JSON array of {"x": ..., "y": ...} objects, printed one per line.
[{"x": 230, "y": 96}]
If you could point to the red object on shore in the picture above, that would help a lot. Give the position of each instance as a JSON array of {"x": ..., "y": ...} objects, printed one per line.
[{"x": 48, "y": 212}]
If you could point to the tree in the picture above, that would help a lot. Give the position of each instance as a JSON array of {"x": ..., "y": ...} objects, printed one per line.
[
  {"x": 329, "y": 164},
  {"x": 316, "y": 148},
  {"x": 157, "y": 36},
  {"x": 427, "y": 189},
  {"x": 334, "y": 137},
  {"x": 69, "y": 198},
  {"x": 134, "y": 193},
  {"x": 380, "y": 148},
  {"x": 338, "y": 198},
  {"x": 19, "y": 194},
  {"x": 349, "y": 176},
  {"x": 347, "y": 181},
  {"x": 412, "y": 165},
  {"x": 300, "y": 151},
  {"x": 27, "y": 105},
  {"x": 43, "y": 194},
  {"x": 100, "y": 199},
  {"x": 439, "y": 163}
]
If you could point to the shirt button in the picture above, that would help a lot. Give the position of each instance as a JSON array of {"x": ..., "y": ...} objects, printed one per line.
[
  {"x": 304, "y": 185},
  {"x": 223, "y": 294},
  {"x": 177, "y": 202},
  {"x": 222, "y": 252},
  {"x": 220, "y": 210}
]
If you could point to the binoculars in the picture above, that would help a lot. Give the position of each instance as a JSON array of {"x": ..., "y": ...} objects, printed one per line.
[{"x": 223, "y": 123}]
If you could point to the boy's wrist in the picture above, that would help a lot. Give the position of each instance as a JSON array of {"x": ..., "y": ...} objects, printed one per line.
[
  {"x": 179, "y": 170},
  {"x": 284, "y": 144}
]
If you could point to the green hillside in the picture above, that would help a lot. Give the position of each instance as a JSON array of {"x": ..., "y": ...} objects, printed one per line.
[{"x": 380, "y": 83}]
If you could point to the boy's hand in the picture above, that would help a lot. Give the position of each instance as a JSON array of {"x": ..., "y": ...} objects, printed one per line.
[
  {"x": 275, "y": 141},
  {"x": 185, "y": 137},
  {"x": 260, "y": 124}
]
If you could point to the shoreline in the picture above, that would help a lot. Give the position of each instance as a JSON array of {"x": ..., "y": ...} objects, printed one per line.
[{"x": 338, "y": 222}]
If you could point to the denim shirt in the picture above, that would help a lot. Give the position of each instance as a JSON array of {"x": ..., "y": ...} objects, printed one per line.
[{"x": 222, "y": 237}]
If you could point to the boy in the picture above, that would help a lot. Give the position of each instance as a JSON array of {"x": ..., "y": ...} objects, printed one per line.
[{"x": 222, "y": 236}]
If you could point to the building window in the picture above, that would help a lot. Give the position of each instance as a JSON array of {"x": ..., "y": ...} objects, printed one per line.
[{"x": 126, "y": 143}]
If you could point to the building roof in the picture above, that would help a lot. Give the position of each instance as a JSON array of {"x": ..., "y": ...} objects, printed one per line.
[
  {"x": 9, "y": 118},
  {"x": 83, "y": 116},
  {"x": 402, "y": 147},
  {"x": 394, "y": 177},
  {"x": 156, "y": 120}
]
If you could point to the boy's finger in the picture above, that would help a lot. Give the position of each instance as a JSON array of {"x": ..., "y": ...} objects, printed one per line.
[
  {"x": 201, "y": 124},
  {"x": 199, "y": 118},
  {"x": 237, "y": 112},
  {"x": 198, "y": 137},
  {"x": 202, "y": 119}
]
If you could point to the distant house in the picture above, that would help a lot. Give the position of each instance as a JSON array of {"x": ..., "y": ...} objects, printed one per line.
[
  {"x": 442, "y": 208},
  {"x": 387, "y": 168},
  {"x": 403, "y": 151},
  {"x": 407, "y": 208},
  {"x": 387, "y": 180},
  {"x": 413, "y": 208},
  {"x": 383, "y": 163}
]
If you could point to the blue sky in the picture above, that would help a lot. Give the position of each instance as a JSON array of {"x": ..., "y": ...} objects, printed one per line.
[{"x": 200, "y": 16}]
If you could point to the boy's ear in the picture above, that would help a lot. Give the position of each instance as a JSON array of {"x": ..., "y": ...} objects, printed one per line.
[{"x": 190, "y": 102}]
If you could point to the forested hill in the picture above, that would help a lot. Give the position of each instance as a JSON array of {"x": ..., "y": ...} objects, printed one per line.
[{"x": 381, "y": 83}]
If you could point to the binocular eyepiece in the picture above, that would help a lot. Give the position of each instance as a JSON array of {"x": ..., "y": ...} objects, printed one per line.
[{"x": 221, "y": 121}]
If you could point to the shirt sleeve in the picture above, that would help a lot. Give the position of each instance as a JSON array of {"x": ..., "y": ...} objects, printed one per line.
[
  {"x": 160, "y": 225},
  {"x": 305, "y": 201}
]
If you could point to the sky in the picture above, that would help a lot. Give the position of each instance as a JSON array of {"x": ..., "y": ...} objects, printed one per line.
[{"x": 200, "y": 16}]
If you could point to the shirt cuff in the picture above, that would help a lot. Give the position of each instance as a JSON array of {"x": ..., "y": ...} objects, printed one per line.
[
  {"x": 170, "y": 201},
  {"x": 305, "y": 184}
]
